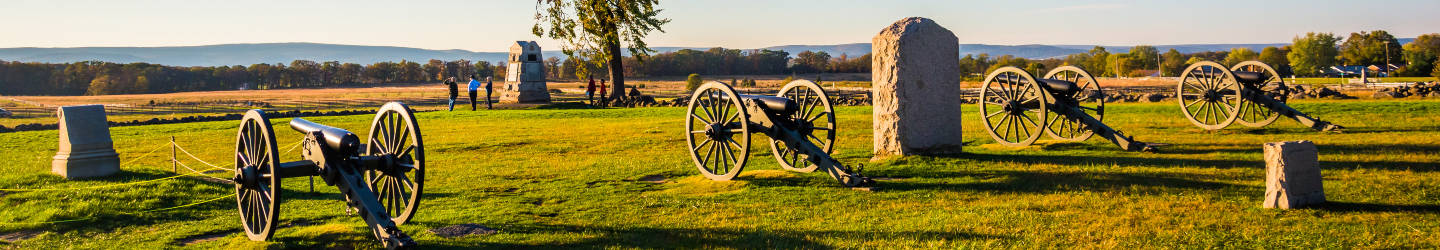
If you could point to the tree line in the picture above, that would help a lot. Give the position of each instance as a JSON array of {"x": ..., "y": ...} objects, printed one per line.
[
  {"x": 1309, "y": 55},
  {"x": 721, "y": 61},
  {"x": 105, "y": 78}
]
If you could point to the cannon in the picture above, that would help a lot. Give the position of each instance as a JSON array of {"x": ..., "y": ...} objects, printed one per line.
[
  {"x": 381, "y": 178},
  {"x": 799, "y": 121},
  {"x": 1067, "y": 104},
  {"x": 1251, "y": 93}
]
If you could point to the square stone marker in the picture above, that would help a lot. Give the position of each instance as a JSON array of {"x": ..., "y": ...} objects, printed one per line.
[
  {"x": 916, "y": 91},
  {"x": 85, "y": 147},
  {"x": 1292, "y": 175}
]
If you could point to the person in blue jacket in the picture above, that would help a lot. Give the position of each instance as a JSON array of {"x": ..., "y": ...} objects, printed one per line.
[{"x": 474, "y": 85}]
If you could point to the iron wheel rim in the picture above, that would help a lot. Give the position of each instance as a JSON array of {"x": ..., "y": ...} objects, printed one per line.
[
  {"x": 1008, "y": 101},
  {"x": 1208, "y": 95},
  {"x": 1074, "y": 130},
  {"x": 257, "y": 196},
  {"x": 1252, "y": 114},
  {"x": 717, "y": 101},
  {"x": 810, "y": 97},
  {"x": 391, "y": 133}
]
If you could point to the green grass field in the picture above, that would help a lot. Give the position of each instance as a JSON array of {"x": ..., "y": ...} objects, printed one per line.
[{"x": 570, "y": 178}]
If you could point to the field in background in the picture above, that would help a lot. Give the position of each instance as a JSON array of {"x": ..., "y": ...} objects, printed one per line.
[
  {"x": 41, "y": 109},
  {"x": 620, "y": 178}
]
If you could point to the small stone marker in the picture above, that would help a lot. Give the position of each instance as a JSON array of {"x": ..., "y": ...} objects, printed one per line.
[
  {"x": 1292, "y": 175},
  {"x": 85, "y": 146},
  {"x": 916, "y": 91}
]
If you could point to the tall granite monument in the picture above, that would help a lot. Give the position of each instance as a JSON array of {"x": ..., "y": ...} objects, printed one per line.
[
  {"x": 915, "y": 90},
  {"x": 525, "y": 75},
  {"x": 85, "y": 146}
]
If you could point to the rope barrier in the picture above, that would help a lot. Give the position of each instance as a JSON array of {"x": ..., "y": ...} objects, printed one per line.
[
  {"x": 293, "y": 147},
  {"x": 126, "y": 213},
  {"x": 142, "y": 156},
  {"x": 193, "y": 172},
  {"x": 182, "y": 149}
]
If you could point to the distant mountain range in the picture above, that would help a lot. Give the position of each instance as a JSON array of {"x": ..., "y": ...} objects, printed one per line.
[{"x": 246, "y": 54}]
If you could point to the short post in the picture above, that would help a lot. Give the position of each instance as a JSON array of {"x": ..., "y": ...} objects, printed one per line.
[
  {"x": 1292, "y": 175},
  {"x": 172, "y": 155}
]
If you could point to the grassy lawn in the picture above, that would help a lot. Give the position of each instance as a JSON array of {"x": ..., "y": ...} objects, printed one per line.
[{"x": 570, "y": 178}]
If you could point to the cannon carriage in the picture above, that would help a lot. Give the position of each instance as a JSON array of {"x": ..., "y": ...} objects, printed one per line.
[
  {"x": 1067, "y": 104},
  {"x": 1251, "y": 93},
  {"x": 381, "y": 178},
  {"x": 799, "y": 121}
]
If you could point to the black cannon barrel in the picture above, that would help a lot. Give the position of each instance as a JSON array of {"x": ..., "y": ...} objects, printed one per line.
[
  {"x": 1056, "y": 85},
  {"x": 336, "y": 138},
  {"x": 773, "y": 103},
  {"x": 1248, "y": 77}
]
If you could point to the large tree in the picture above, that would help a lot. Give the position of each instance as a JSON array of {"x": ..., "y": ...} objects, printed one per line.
[
  {"x": 1144, "y": 57},
  {"x": 1172, "y": 62},
  {"x": 1421, "y": 54},
  {"x": 593, "y": 31},
  {"x": 1238, "y": 55},
  {"x": 1370, "y": 48},
  {"x": 1312, "y": 53},
  {"x": 1098, "y": 63}
]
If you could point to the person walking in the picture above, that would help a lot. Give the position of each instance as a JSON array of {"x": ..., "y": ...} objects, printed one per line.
[
  {"x": 602, "y": 92},
  {"x": 590, "y": 91},
  {"x": 454, "y": 91},
  {"x": 474, "y": 84},
  {"x": 488, "y": 84}
]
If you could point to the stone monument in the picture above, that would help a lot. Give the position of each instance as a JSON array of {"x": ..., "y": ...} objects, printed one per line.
[
  {"x": 915, "y": 90},
  {"x": 525, "y": 75},
  {"x": 1292, "y": 175},
  {"x": 85, "y": 146}
]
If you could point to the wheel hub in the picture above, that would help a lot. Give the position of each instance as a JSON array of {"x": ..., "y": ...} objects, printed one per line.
[
  {"x": 1013, "y": 107},
  {"x": 717, "y": 132},
  {"x": 249, "y": 177},
  {"x": 804, "y": 127},
  {"x": 1212, "y": 95}
]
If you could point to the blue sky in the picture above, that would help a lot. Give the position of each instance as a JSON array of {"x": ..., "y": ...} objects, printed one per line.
[{"x": 491, "y": 24}]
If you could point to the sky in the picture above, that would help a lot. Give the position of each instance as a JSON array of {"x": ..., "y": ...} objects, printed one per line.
[{"x": 491, "y": 25}]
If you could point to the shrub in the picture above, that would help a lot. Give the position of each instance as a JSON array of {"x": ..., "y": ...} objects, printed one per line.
[{"x": 692, "y": 82}]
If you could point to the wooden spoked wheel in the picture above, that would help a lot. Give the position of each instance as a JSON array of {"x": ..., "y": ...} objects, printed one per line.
[
  {"x": 1208, "y": 95},
  {"x": 395, "y": 134},
  {"x": 1253, "y": 114},
  {"x": 815, "y": 119},
  {"x": 1013, "y": 107},
  {"x": 717, "y": 131},
  {"x": 257, "y": 184},
  {"x": 1088, "y": 97}
]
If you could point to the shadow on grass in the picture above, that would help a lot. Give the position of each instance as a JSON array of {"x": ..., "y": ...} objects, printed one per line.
[
  {"x": 1008, "y": 181},
  {"x": 1066, "y": 160},
  {"x": 691, "y": 238},
  {"x": 1350, "y": 207},
  {"x": 1354, "y": 149},
  {"x": 565, "y": 105}
]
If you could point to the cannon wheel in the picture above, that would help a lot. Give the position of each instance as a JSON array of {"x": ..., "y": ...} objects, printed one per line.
[
  {"x": 394, "y": 132},
  {"x": 1090, "y": 98},
  {"x": 815, "y": 116},
  {"x": 1208, "y": 95},
  {"x": 1014, "y": 110},
  {"x": 714, "y": 118},
  {"x": 1253, "y": 114},
  {"x": 257, "y": 185}
]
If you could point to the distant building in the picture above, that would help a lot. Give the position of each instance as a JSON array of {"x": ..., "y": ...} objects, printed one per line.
[{"x": 525, "y": 74}]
